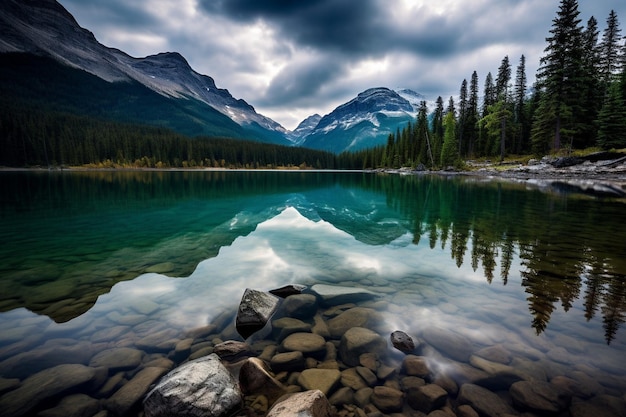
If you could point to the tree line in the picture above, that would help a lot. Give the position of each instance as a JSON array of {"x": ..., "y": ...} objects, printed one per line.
[
  {"x": 578, "y": 101},
  {"x": 36, "y": 136}
]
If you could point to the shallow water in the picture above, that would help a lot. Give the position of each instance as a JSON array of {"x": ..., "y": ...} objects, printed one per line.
[{"x": 97, "y": 260}]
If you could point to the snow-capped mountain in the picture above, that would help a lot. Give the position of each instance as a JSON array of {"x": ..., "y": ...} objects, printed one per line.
[
  {"x": 304, "y": 129},
  {"x": 365, "y": 121},
  {"x": 46, "y": 28}
]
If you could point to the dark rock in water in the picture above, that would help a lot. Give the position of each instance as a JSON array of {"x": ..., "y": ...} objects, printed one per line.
[
  {"x": 232, "y": 350},
  {"x": 301, "y": 306},
  {"x": 538, "y": 396},
  {"x": 202, "y": 387},
  {"x": 335, "y": 295},
  {"x": 44, "y": 385},
  {"x": 287, "y": 290},
  {"x": 255, "y": 309},
  {"x": 254, "y": 378},
  {"x": 288, "y": 361},
  {"x": 402, "y": 341},
  {"x": 416, "y": 366},
  {"x": 357, "y": 341},
  {"x": 427, "y": 398},
  {"x": 311, "y": 403},
  {"x": 485, "y": 402},
  {"x": 387, "y": 399}
]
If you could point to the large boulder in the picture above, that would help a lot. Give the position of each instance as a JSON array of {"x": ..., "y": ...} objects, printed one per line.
[
  {"x": 359, "y": 340},
  {"x": 255, "y": 309},
  {"x": 311, "y": 403},
  {"x": 202, "y": 387}
]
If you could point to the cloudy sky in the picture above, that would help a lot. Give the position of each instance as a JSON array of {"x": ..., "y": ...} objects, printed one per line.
[{"x": 293, "y": 58}]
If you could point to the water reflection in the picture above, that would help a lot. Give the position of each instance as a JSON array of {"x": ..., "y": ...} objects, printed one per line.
[{"x": 75, "y": 235}]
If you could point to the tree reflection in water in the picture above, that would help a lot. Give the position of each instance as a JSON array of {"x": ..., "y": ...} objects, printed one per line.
[{"x": 568, "y": 244}]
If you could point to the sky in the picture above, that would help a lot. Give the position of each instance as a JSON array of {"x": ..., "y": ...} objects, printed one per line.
[{"x": 293, "y": 58}]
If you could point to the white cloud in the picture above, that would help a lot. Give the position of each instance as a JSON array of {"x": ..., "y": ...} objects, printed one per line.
[{"x": 288, "y": 66}]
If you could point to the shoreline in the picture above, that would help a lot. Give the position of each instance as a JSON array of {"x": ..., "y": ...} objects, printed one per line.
[{"x": 587, "y": 177}]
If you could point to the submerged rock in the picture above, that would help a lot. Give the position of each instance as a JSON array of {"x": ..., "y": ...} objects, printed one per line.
[
  {"x": 539, "y": 396},
  {"x": 454, "y": 345},
  {"x": 255, "y": 309},
  {"x": 44, "y": 385},
  {"x": 287, "y": 290},
  {"x": 335, "y": 294},
  {"x": 311, "y": 403},
  {"x": 202, "y": 387},
  {"x": 232, "y": 350},
  {"x": 485, "y": 402},
  {"x": 402, "y": 341},
  {"x": 359, "y": 340}
]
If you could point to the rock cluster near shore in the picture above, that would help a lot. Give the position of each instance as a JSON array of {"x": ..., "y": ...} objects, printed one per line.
[{"x": 324, "y": 352}]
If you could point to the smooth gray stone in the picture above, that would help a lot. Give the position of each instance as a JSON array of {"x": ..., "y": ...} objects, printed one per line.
[{"x": 202, "y": 387}]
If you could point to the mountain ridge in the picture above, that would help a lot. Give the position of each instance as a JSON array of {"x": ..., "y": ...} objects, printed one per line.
[{"x": 46, "y": 28}]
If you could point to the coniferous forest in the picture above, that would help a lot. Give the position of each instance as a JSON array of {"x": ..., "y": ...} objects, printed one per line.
[{"x": 577, "y": 102}]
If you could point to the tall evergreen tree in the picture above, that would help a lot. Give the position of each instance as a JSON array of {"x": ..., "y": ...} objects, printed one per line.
[
  {"x": 612, "y": 119},
  {"x": 472, "y": 114},
  {"x": 462, "y": 114},
  {"x": 519, "y": 108},
  {"x": 591, "y": 89},
  {"x": 451, "y": 107},
  {"x": 559, "y": 76},
  {"x": 610, "y": 55},
  {"x": 503, "y": 79},
  {"x": 438, "y": 131},
  {"x": 449, "y": 150},
  {"x": 489, "y": 94}
]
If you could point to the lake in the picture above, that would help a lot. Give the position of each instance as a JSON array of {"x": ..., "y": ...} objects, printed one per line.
[{"x": 94, "y": 262}]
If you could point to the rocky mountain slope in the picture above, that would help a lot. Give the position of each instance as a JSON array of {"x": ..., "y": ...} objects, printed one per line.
[
  {"x": 45, "y": 28},
  {"x": 365, "y": 121}
]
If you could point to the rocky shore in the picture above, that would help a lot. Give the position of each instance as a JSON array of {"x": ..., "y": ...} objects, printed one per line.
[
  {"x": 599, "y": 174},
  {"x": 319, "y": 351}
]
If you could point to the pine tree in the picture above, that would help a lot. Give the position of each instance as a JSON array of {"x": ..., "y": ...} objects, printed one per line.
[
  {"x": 519, "y": 108},
  {"x": 591, "y": 90},
  {"x": 559, "y": 77},
  {"x": 612, "y": 119},
  {"x": 502, "y": 80},
  {"x": 610, "y": 56},
  {"x": 449, "y": 150},
  {"x": 438, "y": 128},
  {"x": 472, "y": 114},
  {"x": 489, "y": 96},
  {"x": 462, "y": 115}
]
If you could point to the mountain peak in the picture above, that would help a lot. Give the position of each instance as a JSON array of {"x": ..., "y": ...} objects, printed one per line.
[{"x": 364, "y": 121}]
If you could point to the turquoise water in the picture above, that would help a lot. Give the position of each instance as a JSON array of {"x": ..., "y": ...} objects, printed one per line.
[{"x": 107, "y": 259}]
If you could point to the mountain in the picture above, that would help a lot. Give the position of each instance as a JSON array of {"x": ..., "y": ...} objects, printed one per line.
[
  {"x": 45, "y": 29},
  {"x": 363, "y": 122},
  {"x": 304, "y": 128}
]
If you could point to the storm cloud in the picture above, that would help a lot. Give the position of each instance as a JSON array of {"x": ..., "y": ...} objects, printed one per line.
[{"x": 291, "y": 59}]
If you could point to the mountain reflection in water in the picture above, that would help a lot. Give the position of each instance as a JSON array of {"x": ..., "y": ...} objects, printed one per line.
[{"x": 75, "y": 235}]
